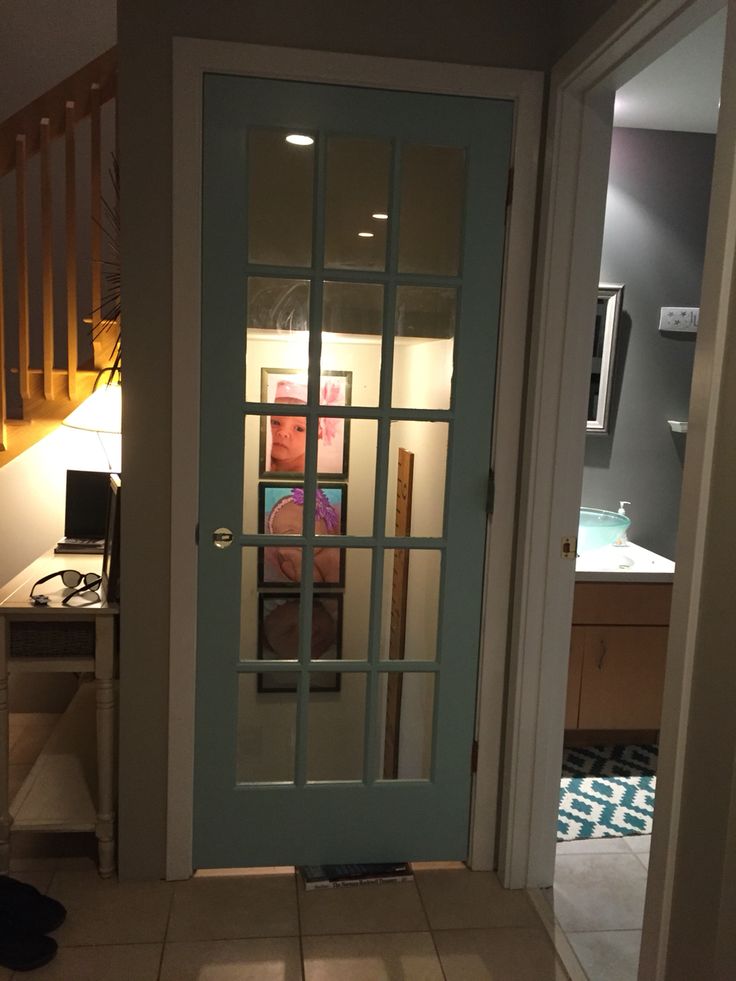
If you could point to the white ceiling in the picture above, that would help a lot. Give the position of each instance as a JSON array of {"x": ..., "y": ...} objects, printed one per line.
[{"x": 679, "y": 91}]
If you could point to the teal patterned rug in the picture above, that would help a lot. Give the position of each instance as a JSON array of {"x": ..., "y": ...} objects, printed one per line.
[
  {"x": 607, "y": 792},
  {"x": 605, "y": 807}
]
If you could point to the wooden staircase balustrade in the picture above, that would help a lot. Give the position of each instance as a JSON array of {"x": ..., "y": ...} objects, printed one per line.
[
  {"x": 3, "y": 394},
  {"x": 21, "y": 224},
  {"x": 29, "y": 132}
]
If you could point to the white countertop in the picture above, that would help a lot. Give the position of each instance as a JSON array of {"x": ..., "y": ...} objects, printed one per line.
[{"x": 623, "y": 563}]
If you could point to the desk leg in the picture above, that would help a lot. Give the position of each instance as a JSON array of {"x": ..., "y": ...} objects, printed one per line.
[
  {"x": 104, "y": 670},
  {"x": 4, "y": 748}
]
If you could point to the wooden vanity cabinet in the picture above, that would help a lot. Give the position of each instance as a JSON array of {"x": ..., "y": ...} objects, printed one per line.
[{"x": 617, "y": 660}]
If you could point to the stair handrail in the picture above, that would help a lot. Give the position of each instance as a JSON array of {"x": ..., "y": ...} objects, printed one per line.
[{"x": 52, "y": 105}]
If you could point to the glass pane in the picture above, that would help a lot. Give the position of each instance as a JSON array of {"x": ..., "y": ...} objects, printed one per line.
[
  {"x": 417, "y": 455},
  {"x": 351, "y": 339},
  {"x": 336, "y": 727},
  {"x": 411, "y": 602},
  {"x": 362, "y": 474},
  {"x": 280, "y": 182},
  {"x": 432, "y": 200},
  {"x": 357, "y": 192},
  {"x": 327, "y": 617},
  {"x": 274, "y": 447},
  {"x": 278, "y": 631},
  {"x": 423, "y": 348},
  {"x": 356, "y": 603},
  {"x": 277, "y": 329},
  {"x": 266, "y": 731},
  {"x": 406, "y": 703},
  {"x": 249, "y": 604}
]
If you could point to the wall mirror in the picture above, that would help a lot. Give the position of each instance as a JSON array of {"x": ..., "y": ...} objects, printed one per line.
[{"x": 607, "y": 313}]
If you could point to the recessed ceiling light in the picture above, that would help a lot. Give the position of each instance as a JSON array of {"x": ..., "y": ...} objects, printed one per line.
[
  {"x": 379, "y": 216},
  {"x": 365, "y": 234},
  {"x": 299, "y": 139}
]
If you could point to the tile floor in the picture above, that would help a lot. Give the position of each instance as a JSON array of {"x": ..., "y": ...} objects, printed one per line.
[
  {"x": 448, "y": 924},
  {"x": 598, "y": 902}
]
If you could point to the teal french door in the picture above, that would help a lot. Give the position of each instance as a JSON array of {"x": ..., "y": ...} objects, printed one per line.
[{"x": 352, "y": 264}]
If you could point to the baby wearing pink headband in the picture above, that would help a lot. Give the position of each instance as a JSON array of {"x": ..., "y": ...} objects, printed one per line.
[{"x": 289, "y": 433}]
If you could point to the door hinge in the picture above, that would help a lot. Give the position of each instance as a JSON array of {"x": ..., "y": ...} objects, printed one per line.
[
  {"x": 510, "y": 187},
  {"x": 474, "y": 757},
  {"x": 491, "y": 493}
]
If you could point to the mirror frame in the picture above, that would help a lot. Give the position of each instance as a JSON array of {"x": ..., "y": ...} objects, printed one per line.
[{"x": 608, "y": 312}]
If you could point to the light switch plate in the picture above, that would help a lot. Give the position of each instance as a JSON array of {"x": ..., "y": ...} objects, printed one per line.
[{"x": 679, "y": 319}]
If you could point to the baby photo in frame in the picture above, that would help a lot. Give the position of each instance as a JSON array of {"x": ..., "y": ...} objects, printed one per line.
[
  {"x": 280, "y": 512},
  {"x": 278, "y": 639},
  {"x": 283, "y": 437}
]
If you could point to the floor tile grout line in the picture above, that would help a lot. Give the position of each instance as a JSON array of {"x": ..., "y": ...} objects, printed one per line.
[
  {"x": 299, "y": 926},
  {"x": 429, "y": 926},
  {"x": 166, "y": 931},
  {"x": 605, "y": 930},
  {"x": 561, "y": 943}
]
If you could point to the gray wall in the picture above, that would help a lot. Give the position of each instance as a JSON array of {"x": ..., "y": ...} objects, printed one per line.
[
  {"x": 654, "y": 242},
  {"x": 44, "y": 41}
]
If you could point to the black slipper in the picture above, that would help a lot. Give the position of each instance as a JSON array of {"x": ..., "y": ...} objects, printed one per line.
[
  {"x": 25, "y": 952},
  {"x": 24, "y": 908}
]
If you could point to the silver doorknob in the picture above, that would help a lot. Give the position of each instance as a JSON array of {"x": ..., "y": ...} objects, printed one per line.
[{"x": 222, "y": 538}]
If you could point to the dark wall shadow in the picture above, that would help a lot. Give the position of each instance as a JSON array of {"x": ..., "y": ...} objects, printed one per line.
[{"x": 598, "y": 449}]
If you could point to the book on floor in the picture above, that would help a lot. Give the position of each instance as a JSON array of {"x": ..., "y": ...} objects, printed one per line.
[{"x": 331, "y": 876}]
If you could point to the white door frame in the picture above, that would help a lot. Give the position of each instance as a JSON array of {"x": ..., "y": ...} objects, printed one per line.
[
  {"x": 191, "y": 59},
  {"x": 626, "y": 39}
]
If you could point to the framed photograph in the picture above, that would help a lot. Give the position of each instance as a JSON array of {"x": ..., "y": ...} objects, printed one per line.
[
  {"x": 607, "y": 314},
  {"x": 278, "y": 639},
  {"x": 283, "y": 437},
  {"x": 281, "y": 512}
]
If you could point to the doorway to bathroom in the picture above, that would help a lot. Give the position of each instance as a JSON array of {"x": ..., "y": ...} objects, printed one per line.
[{"x": 643, "y": 341}]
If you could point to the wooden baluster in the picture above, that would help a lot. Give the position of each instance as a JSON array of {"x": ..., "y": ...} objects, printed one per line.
[
  {"x": 47, "y": 261},
  {"x": 96, "y": 208},
  {"x": 71, "y": 252},
  {"x": 3, "y": 369},
  {"x": 22, "y": 233}
]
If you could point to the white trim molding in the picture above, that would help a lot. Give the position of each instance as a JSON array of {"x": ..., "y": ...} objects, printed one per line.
[
  {"x": 629, "y": 36},
  {"x": 191, "y": 59}
]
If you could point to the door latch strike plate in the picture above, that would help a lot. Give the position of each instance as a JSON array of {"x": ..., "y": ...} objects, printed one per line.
[{"x": 569, "y": 548}]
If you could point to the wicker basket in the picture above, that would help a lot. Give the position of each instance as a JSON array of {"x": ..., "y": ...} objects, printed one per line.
[{"x": 52, "y": 639}]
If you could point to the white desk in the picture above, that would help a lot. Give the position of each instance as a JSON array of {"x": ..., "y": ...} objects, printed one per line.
[{"x": 71, "y": 787}]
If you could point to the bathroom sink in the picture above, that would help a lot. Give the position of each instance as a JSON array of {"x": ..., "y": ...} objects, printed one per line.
[{"x": 597, "y": 528}]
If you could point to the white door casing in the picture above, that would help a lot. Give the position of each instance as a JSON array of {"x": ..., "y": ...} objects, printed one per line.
[
  {"x": 620, "y": 44},
  {"x": 191, "y": 59}
]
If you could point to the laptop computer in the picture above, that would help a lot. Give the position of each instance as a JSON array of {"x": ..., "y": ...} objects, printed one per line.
[{"x": 85, "y": 512}]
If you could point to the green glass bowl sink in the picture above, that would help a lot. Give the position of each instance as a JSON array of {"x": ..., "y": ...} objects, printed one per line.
[{"x": 597, "y": 528}]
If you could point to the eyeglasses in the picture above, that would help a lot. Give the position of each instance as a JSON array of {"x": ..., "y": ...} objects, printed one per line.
[{"x": 77, "y": 581}]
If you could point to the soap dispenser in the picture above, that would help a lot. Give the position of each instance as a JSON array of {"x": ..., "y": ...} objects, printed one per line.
[{"x": 622, "y": 539}]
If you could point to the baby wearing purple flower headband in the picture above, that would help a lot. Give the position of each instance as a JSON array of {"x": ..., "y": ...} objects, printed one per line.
[{"x": 286, "y": 518}]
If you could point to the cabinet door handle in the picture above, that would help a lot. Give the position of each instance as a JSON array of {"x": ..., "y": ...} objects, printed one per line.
[{"x": 602, "y": 656}]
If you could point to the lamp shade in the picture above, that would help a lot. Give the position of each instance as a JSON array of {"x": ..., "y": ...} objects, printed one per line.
[{"x": 101, "y": 412}]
